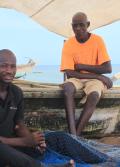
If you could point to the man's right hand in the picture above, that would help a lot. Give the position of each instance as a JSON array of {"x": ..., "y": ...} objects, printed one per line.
[
  {"x": 107, "y": 81},
  {"x": 40, "y": 141}
]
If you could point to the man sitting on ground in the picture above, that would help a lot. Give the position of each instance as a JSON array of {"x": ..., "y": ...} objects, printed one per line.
[{"x": 17, "y": 144}]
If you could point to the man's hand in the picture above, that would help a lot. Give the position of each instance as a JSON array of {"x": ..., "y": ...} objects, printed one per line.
[
  {"x": 40, "y": 141},
  {"x": 2, "y": 139},
  {"x": 107, "y": 81},
  {"x": 78, "y": 67}
]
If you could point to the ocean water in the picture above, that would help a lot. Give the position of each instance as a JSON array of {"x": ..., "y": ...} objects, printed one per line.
[{"x": 52, "y": 74}]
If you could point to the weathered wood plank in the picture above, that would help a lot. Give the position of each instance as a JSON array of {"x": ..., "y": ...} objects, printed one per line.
[
  {"x": 58, "y": 93},
  {"x": 51, "y": 90}
]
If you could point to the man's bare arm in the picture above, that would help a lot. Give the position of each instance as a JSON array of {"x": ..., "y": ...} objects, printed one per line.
[
  {"x": 24, "y": 137},
  {"x": 74, "y": 74},
  {"x": 97, "y": 69}
]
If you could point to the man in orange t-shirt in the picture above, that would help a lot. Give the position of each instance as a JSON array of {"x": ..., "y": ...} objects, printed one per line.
[{"x": 84, "y": 61}]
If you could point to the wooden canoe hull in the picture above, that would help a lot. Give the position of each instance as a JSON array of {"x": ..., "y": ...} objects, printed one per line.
[
  {"x": 49, "y": 114},
  {"x": 44, "y": 109}
]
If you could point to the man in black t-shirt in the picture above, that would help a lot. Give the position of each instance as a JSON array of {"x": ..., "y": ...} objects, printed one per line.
[{"x": 16, "y": 142}]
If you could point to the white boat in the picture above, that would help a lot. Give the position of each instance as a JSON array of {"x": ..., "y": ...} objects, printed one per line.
[
  {"x": 26, "y": 67},
  {"x": 23, "y": 69}
]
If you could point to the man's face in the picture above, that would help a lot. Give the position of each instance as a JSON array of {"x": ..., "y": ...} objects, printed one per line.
[
  {"x": 7, "y": 67},
  {"x": 80, "y": 26}
]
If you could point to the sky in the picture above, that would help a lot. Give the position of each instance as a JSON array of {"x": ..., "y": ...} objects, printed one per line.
[{"x": 27, "y": 39}]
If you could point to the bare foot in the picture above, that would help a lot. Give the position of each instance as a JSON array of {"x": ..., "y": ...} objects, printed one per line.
[{"x": 71, "y": 163}]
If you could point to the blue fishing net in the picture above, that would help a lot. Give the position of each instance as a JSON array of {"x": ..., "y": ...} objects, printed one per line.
[
  {"x": 61, "y": 147},
  {"x": 52, "y": 157}
]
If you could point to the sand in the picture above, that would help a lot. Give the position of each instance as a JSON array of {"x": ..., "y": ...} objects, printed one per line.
[{"x": 110, "y": 140}]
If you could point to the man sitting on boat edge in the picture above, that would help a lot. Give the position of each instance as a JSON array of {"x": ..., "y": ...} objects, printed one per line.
[
  {"x": 16, "y": 141},
  {"x": 84, "y": 61}
]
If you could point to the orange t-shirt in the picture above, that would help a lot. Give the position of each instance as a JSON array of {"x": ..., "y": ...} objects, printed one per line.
[{"x": 92, "y": 52}]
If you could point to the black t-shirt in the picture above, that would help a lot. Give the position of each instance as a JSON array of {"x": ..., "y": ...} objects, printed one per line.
[{"x": 11, "y": 111}]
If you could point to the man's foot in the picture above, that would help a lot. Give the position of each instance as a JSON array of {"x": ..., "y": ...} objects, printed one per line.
[{"x": 71, "y": 163}]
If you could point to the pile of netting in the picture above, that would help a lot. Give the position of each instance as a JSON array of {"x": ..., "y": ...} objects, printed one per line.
[{"x": 61, "y": 147}]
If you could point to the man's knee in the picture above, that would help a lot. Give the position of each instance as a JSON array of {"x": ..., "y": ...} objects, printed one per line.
[
  {"x": 94, "y": 96},
  {"x": 69, "y": 89}
]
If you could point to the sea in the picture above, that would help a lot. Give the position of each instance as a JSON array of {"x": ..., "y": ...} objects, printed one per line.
[{"x": 52, "y": 74}]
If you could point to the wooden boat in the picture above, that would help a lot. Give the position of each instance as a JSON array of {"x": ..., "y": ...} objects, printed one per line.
[
  {"x": 44, "y": 102},
  {"x": 44, "y": 109},
  {"x": 25, "y": 68}
]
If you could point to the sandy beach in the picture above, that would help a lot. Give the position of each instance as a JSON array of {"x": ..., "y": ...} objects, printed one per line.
[{"x": 114, "y": 140}]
